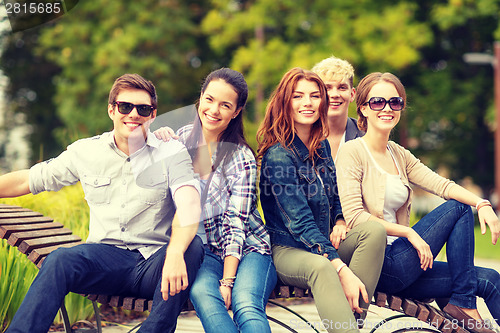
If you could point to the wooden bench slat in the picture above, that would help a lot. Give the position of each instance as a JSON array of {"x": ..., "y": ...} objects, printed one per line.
[
  {"x": 10, "y": 215},
  {"x": 395, "y": 303},
  {"x": 422, "y": 312},
  {"x": 141, "y": 305},
  {"x": 298, "y": 292},
  {"x": 29, "y": 245},
  {"x": 11, "y": 210},
  {"x": 128, "y": 303},
  {"x": 7, "y": 206},
  {"x": 116, "y": 301},
  {"x": 17, "y": 237},
  {"x": 435, "y": 319},
  {"x": 7, "y": 230},
  {"x": 103, "y": 299},
  {"x": 409, "y": 307},
  {"x": 39, "y": 254},
  {"x": 25, "y": 220},
  {"x": 380, "y": 299}
]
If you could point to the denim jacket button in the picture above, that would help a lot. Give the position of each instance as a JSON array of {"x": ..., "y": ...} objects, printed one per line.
[{"x": 322, "y": 169}]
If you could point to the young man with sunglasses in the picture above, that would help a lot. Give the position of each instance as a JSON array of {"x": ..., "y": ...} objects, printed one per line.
[{"x": 144, "y": 212}]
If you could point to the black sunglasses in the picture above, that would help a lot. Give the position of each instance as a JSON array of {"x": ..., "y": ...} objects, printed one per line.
[
  {"x": 379, "y": 103},
  {"x": 143, "y": 110}
]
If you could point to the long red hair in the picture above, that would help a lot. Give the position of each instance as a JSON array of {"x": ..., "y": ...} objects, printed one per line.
[{"x": 278, "y": 124}]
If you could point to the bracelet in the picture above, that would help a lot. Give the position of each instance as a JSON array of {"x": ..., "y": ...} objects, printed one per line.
[
  {"x": 227, "y": 281},
  {"x": 340, "y": 267},
  {"x": 482, "y": 203}
]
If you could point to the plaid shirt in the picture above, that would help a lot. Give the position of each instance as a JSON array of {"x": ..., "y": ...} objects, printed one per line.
[{"x": 232, "y": 223}]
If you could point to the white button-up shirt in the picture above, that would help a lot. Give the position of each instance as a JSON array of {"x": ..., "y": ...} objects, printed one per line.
[{"x": 130, "y": 198}]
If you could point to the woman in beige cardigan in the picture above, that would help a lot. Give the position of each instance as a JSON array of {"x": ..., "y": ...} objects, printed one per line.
[{"x": 374, "y": 176}]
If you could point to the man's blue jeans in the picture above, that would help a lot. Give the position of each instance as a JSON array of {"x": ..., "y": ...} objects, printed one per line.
[
  {"x": 452, "y": 223},
  {"x": 103, "y": 269},
  {"x": 255, "y": 279}
]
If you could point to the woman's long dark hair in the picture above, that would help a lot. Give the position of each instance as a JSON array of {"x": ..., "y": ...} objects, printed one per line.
[{"x": 232, "y": 136}]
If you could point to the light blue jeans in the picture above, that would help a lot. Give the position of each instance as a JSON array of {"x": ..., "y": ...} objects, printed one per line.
[{"x": 255, "y": 279}]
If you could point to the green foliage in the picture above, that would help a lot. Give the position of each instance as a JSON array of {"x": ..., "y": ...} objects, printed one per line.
[
  {"x": 17, "y": 272},
  {"x": 16, "y": 275},
  {"x": 268, "y": 37},
  {"x": 97, "y": 42}
]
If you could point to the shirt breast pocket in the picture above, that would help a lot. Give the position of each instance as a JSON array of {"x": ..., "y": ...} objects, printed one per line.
[
  {"x": 97, "y": 189},
  {"x": 309, "y": 182},
  {"x": 153, "y": 189}
]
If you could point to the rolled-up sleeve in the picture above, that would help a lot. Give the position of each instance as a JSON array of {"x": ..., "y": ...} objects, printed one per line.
[
  {"x": 53, "y": 174},
  {"x": 180, "y": 169}
]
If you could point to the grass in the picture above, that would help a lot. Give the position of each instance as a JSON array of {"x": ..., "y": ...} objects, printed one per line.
[{"x": 484, "y": 248}]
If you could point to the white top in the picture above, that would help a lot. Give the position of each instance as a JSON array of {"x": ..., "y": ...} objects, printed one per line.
[
  {"x": 342, "y": 141},
  {"x": 396, "y": 193}
]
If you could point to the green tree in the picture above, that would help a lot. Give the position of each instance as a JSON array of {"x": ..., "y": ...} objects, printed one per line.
[
  {"x": 451, "y": 112},
  {"x": 98, "y": 41},
  {"x": 29, "y": 90},
  {"x": 267, "y": 37}
]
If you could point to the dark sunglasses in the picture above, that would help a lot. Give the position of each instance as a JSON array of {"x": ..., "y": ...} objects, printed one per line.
[
  {"x": 379, "y": 103},
  {"x": 143, "y": 110}
]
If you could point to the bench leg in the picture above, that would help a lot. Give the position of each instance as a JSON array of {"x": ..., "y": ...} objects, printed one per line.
[
  {"x": 67, "y": 324},
  {"x": 64, "y": 315},
  {"x": 97, "y": 314}
]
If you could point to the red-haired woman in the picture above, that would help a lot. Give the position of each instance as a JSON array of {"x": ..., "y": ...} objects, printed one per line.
[{"x": 301, "y": 206}]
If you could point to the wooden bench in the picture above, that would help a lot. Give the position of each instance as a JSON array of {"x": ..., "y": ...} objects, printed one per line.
[{"x": 36, "y": 236}]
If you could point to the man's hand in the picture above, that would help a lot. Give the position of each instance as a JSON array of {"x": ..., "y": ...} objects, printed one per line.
[{"x": 174, "y": 276}]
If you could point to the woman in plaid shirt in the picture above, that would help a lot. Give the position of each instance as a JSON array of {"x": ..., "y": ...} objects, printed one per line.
[{"x": 237, "y": 270}]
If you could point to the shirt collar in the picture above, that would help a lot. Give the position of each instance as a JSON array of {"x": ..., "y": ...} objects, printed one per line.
[
  {"x": 300, "y": 148},
  {"x": 303, "y": 152},
  {"x": 151, "y": 140}
]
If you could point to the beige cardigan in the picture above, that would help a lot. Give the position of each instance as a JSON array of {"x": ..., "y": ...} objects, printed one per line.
[{"x": 362, "y": 185}]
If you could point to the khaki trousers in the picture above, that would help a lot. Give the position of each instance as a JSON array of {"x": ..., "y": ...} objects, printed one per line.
[{"x": 362, "y": 250}]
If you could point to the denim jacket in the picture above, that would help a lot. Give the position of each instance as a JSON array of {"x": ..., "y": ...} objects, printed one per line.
[{"x": 299, "y": 200}]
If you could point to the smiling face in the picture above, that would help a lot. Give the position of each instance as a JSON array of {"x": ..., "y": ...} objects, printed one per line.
[
  {"x": 217, "y": 107},
  {"x": 132, "y": 126},
  {"x": 386, "y": 119},
  {"x": 340, "y": 94},
  {"x": 305, "y": 104}
]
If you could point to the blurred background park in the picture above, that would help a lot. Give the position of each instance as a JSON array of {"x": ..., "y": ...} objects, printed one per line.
[{"x": 55, "y": 79}]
